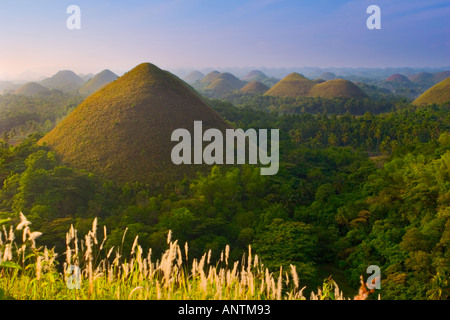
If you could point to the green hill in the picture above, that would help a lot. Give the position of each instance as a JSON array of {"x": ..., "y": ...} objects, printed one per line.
[
  {"x": 337, "y": 88},
  {"x": 123, "y": 131},
  {"x": 294, "y": 85},
  {"x": 31, "y": 89},
  {"x": 66, "y": 81},
  {"x": 99, "y": 81},
  {"x": 439, "y": 93},
  {"x": 222, "y": 84}
]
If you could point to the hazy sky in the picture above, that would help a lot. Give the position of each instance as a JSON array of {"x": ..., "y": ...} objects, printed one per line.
[{"x": 221, "y": 33}]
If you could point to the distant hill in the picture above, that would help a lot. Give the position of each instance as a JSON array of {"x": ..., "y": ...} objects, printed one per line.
[
  {"x": 209, "y": 78},
  {"x": 66, "y": 81},
  {"x": 123, "y": 131},
  {"x": 255, "y": 87},
  {"x": 6, "y": 86},
  {"x": 97, "y": 82},
  {"x": 337, "y": 88},
  {"x": 327, "y": 76},
  {"x": 398, "y": 78},
  {"x": 255, "y": 75},
  {"x": 193, "y": 77},
  {"x": 439, "y": 93},
  {"x": 31, "y": 89},
  {"x": 86, "y": 77},
  {"x": 294, "y": 85},
  {"x": 422, "y": 77},
  {"x": 224, "y": 83},
  {"x": 440, "y": 76}
]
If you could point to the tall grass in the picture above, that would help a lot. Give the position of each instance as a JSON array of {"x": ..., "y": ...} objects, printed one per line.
[{"x": 28, "y": 271}]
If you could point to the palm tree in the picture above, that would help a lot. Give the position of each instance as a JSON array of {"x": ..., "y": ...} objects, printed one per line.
[{"x": 440, "y": 289}]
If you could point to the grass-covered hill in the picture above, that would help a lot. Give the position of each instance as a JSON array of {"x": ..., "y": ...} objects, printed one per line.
[
  {"x": 209, "y": 78},
  {"x": 99, "y": 81},
  {"x": 337, "y": 88},
  {"x": 255, "y": 75},
  {"x": 294, "y": 85},
  {"x": 65, "y": 80},
  {"x": 123, "y": 131},
  {"x": 422, "y": 77},
  {"x": 398, "y": 78},
  {"x": 31, "y": 89},
  {"x": 439, "y": 93},
  {"x": 222, "y": 84},
  {"x": 255, "y": 87}
]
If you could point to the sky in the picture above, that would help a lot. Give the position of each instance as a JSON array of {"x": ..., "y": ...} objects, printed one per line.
[{"x": 196, "y": 34}]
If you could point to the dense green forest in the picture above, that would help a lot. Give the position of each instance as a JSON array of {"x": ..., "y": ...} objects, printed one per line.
[
  {"x": 353, "y": 190},
  {"x": 22, "y": 115}
]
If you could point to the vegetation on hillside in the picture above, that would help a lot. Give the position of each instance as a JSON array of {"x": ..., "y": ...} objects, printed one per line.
[
  {"x": 439, "y": 93},
  {"x": 361, "y": 182}
]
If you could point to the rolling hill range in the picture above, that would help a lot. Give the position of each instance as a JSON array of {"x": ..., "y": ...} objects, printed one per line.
[
  {"x": 66, "y": 81},
  {"x": 296, "y": 85},
  {"x": 31, "y": 89},
  {"x": 123, "y": 131},
  {"x": 255, "y": 87},
  {"x": 439, "y": 93},
  {"x": 97, "y": 82}
]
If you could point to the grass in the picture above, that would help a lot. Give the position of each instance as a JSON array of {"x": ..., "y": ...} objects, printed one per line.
[
  {"x": 30, "y": 272},
  {"x": 438, "y": 94}
]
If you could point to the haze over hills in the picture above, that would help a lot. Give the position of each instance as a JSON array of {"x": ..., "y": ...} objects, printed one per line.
[
  {"x": 255, "y": 75},
  {"x": 65, "y": 80},
  {"x": 422, "y": 77},
  {"x": 398, "y": 78},
  {"x": 86, "y": 77},
  {"x": 7, "y": 86},
  {"x": 31, "y": 89},
  {"x": 327, "y": 76},
  {"x": 439, "y": 93},
  {"x": 193, "y": 77},
  {"x": 123, "y": 131},
  {"x": 223, "y": 83},
  {"x": 97, "y": 82}
]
